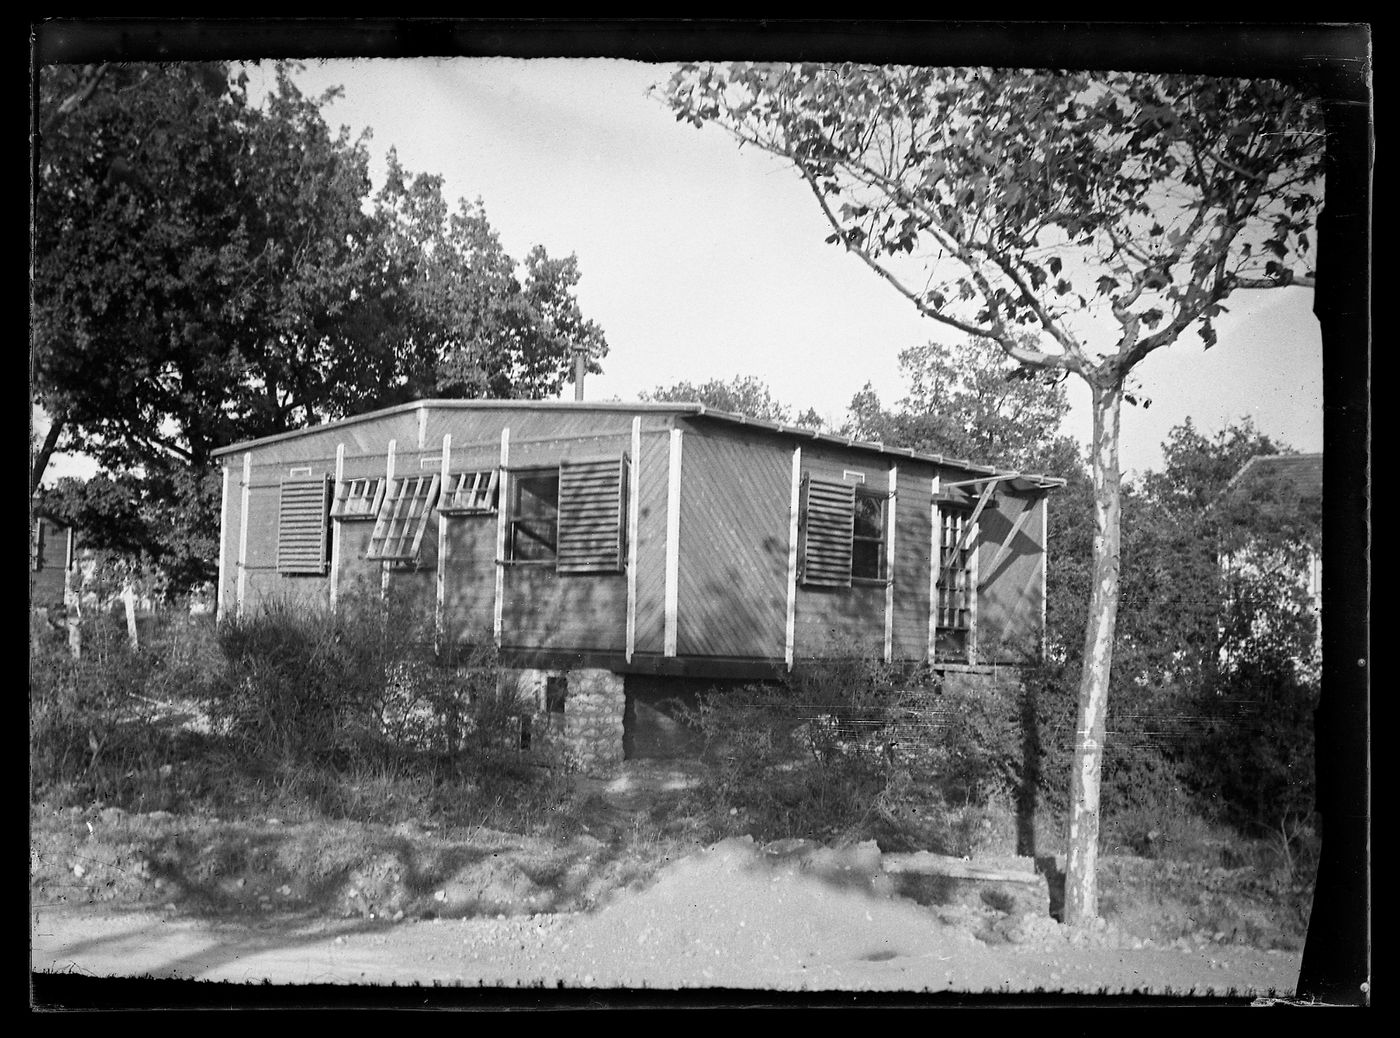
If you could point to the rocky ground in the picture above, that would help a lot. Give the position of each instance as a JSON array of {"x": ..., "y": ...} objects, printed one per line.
[{"x": 359, "y": 907}]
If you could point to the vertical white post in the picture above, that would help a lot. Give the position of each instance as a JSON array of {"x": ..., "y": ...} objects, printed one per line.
[
  {"x": 440, "y": 605},
  {"x": 633, "y": 521},
  {"x": 935, "y": 566},
  {"x": 502, "y": 519},
  {"x": 390, "y": 461},
  {"x": 794, "y": 507},
  {"x": 889, "y": 561},
  {"x": 673, "y": 540},
  {"x": 243, "y": 534},
  {"x": 335, "y": 526},
  {"x": 1044, "y": 565},
  {"x": 974, "y": 591},
  {"x": 223, "y": 547},
  {"x": 422, "y": 427}
]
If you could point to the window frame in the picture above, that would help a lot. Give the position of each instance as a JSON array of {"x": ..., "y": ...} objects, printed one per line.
[
  {"x": 955, "y": 600},
  {"x": 349, "y": 506},
  {"x": 394, "y": 527},
  {"x": 482, "y": 495},
  {"x": 515, "y": 519},
  {"x": 882, "y": 499}
]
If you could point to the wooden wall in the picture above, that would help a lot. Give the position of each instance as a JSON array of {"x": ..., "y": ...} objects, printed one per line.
[{"x": 732, "y": 552}]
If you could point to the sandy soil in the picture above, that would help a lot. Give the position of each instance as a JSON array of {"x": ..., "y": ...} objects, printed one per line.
[{"x": 732, "y": 917}]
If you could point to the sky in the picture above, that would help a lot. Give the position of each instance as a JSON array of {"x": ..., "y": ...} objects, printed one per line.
[{"x": 701, "y": 260}]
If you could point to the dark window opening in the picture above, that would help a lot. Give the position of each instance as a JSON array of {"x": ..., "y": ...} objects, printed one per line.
[
  {"x": 534, "y": 517},
  {"x": 868, "y": 537},
  {"x": 556, "y": 690}
]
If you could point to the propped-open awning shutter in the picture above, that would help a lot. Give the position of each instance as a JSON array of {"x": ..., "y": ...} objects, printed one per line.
[
  {"x": 828, "y": 522},
  {"x": 301, "y": 525},
  {"x": 403, "y": 516},
  {"x": 591, "y": 508}
]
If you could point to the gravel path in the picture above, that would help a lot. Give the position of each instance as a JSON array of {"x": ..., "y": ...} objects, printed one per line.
[{"x": 728, "y": 918}]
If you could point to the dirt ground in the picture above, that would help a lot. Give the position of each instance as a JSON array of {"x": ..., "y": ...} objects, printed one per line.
[{"x": 115, "y": 895}]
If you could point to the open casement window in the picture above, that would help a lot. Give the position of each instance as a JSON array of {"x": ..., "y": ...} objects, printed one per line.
[
  {"x": 533, "y": 531},
  {"x": 827, "y": 530},
  {"x": 470, "y": 493},
  {"x": 358, "y": 499},
  {"x": 955, "y": 591},
  {"x": 302, "y": 526},
  {"x": 403, "y": 516},
  {"x": 868, "y": 556},
  {"x": 592, "y": 500}
]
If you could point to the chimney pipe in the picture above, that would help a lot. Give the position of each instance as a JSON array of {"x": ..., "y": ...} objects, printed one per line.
[{"x": 580, "y": 369}]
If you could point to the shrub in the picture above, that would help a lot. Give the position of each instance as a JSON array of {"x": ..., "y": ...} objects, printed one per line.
[
  {"x": 851, "y": 748},
  {"x": 92, "y": 734}
]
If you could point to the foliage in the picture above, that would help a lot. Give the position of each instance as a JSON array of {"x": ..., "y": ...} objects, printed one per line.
[
  {"x": 851, "y": 749},
  {"x": 209, "y": 267},
  {"x": 968, "y": 401},
  {"x": 743, "y": 395},
  {"x": 95, "y": 728},
  {"x": 472, "y": 325},
  {"x": 304, "y": 684}
]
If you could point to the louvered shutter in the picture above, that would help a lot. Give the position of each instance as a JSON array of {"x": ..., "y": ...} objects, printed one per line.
[
  {"x": 301, "y": 525},
  {"x": 591, "y": 501},
  {"x": 828, "y": 523}
]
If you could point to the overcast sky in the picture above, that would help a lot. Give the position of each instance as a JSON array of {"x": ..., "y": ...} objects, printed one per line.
[{"x": 703, "y": 261}]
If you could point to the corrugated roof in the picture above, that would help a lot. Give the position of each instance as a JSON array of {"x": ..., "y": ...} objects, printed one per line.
[{"x": 668, "y": 407}]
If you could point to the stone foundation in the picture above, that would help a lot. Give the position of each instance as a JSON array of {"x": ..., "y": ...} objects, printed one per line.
[{"x": 579, "y": 712}]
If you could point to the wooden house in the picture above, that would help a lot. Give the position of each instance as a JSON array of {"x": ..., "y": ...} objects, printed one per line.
[{"x": 608, "y": 548}]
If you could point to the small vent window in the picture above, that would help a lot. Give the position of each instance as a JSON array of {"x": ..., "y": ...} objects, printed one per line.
[
  {"x": 302, "y": 526},
  {"x": 402, "y": 518}
]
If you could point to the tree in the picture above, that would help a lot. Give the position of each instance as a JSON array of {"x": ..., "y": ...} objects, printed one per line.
[
  {"x": 743, "y": 394},
  {"x": 473, "y": 326},
  {"x": 209, "y": 268},
  {"x": 1107, "y": 213},
  {"x": 969, "y": 402}
]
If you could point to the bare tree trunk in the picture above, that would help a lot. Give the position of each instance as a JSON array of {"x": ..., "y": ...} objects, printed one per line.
[
  {"x": 40, "y": 459},
  {"x": 1081, "y": 879}
]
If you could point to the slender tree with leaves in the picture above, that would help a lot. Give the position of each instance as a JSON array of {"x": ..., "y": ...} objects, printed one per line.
[{"x": 1106, "y": 214}]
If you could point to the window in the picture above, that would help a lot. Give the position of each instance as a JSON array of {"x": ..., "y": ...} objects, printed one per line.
[
  {"x": 955, "y": 601},
  {"x": 470, "y": 493},
  {"x": 868, "y": 538},
  {"x": 533, "y": 534},
  {"x": 402, "y": 518},
  {"x": 572, "y": 516},
  {"x": 302, "y": 544},
  {"x": 358, "y": 499},
  {"x": 842, "y": 533}
]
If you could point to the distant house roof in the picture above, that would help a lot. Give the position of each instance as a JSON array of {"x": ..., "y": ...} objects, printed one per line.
[
  {"x": 1300, "y": 473},
  {"x": 1278, "y": 484},
  {"x": 1019, "y": 479}
]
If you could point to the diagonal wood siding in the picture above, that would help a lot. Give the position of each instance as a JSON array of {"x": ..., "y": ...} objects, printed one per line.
[{"x": 735, "y": 499}]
